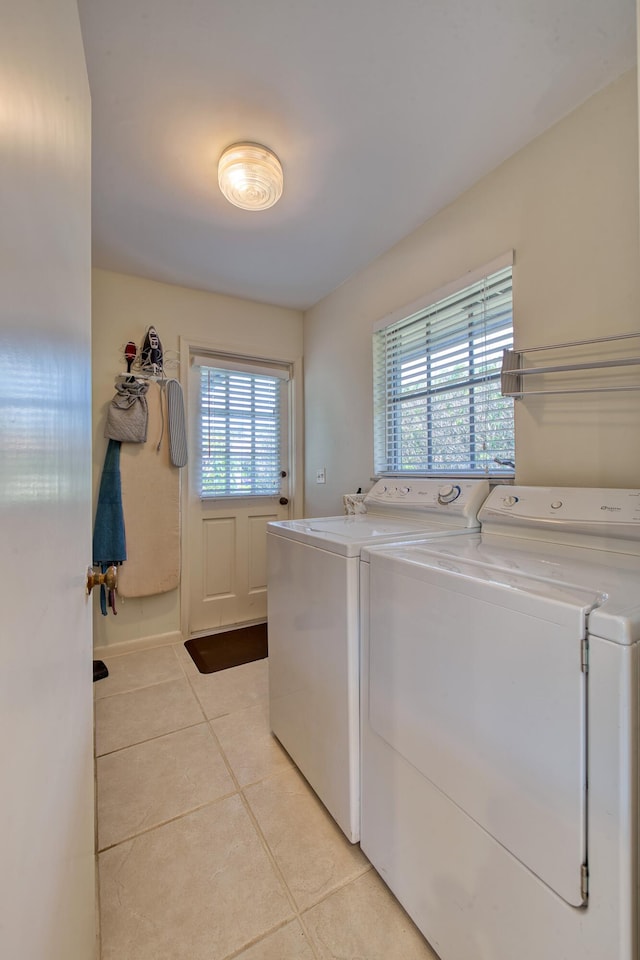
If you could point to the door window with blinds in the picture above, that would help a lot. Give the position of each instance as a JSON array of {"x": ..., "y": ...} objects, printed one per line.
[
  {"x": 438, "y": 408},
  {"x": 240, "y": 427}
]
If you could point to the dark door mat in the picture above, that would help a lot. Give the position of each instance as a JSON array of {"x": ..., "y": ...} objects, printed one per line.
[{"x": 230, "y": 649}]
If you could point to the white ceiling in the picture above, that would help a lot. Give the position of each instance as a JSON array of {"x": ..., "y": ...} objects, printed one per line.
[{"x": 381, "y": 111}]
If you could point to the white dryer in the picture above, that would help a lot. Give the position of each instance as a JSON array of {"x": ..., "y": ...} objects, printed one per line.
[
  {"x": 314, "y": 624},
  {"x": 500, "y": 713}
]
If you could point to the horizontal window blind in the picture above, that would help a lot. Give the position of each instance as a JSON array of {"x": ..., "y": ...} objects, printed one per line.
[
  {"x": 239, "y": 433},
  {"x": 437, "y": 401}
]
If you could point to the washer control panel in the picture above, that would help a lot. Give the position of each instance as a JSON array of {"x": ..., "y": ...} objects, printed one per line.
[{"x": 457, "y": 497}]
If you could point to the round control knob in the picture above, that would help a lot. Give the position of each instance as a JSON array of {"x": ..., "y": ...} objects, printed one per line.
[
  {"x": 556, "y": 504},
  {"x": 403, "y": 491},
  {"x": 448, "y": 492},
  {"x": 510, "y": 501}
]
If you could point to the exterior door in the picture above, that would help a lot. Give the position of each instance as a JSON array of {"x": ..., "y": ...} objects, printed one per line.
[
  {"x": 47, "y": 877},
  {"x": 227, "y": 527}
]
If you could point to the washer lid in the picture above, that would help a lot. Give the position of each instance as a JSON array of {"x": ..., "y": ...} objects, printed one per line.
[
  {"x": 528, "y": 571},
  {"x": 346, "y": 535}
]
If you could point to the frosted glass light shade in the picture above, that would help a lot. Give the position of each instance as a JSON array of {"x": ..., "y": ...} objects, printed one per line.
[{"x": 250, "y": 176}]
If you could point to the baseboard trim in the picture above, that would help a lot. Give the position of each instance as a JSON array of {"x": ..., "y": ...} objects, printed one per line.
[
  {"x": 138, "y": 643},
  {"x": 225, "y": 628}
]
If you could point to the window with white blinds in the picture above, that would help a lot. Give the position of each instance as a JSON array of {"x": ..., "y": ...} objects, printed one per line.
[
  {"x": 239, "y": 432},
  {"x": 437, "y": 401}
]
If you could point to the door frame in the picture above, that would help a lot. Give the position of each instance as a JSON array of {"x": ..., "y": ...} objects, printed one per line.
[{"x": 189, "y": 347}]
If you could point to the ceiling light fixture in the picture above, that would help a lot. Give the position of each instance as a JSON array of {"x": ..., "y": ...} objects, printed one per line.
[{"x": 250, "y": 176}]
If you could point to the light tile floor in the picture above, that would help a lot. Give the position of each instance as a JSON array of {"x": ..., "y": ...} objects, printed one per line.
[{"x": 211, "y": 844}]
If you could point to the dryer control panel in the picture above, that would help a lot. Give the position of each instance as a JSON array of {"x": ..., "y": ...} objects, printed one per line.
[{"x": 582, "y": 511}]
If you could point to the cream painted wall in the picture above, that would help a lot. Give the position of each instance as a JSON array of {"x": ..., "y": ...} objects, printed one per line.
[
  {"x": 123, "y": 308},
  {"x": 568, "y": 205}
]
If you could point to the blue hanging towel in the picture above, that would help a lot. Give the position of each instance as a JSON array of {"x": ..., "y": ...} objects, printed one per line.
[{"x": 109, "y": 545}]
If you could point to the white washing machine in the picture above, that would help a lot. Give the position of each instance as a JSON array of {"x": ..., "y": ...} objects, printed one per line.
[
  {"x": 313, "y": 616},
  {"x": 500, "y": 714}
]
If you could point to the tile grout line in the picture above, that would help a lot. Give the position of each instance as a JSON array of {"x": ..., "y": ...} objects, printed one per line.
[
  {"x": 255, "y": 940},
  {"x": 298, "y": 914},
  {"x": 183, "y": 675},
  {"x": 135, "y": 689},
  {"x": 154, "y": 683},
  {"x": 163, "y": 823},
  {"x": 280, "y": 875},
  {"x": 278, "y": 872},
  {"x": 274, "y": 864},
  {"x": 158, "y": 736},
  {"x": 192, "y": 686}
]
